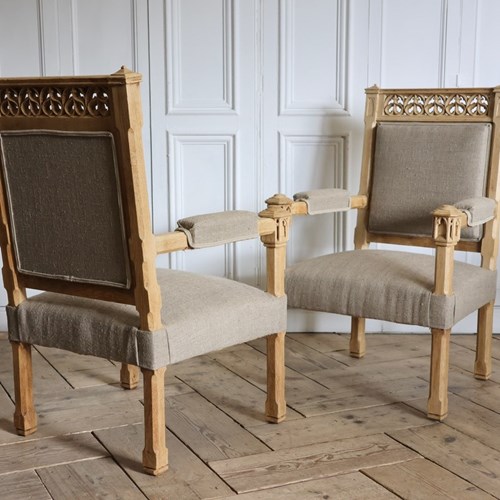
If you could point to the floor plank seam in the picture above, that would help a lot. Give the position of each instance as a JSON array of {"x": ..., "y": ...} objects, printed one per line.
[{"x": 54, "y": 368}]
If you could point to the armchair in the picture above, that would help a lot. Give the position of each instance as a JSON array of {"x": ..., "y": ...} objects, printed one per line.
[
  {"x": 430, "y": 179},
  {"x": 75, "y": 224}
]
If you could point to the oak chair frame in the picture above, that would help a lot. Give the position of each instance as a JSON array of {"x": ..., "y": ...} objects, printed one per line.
[
  {"x": 437, "y": 105},
  {"x": 112, "y": 103}
]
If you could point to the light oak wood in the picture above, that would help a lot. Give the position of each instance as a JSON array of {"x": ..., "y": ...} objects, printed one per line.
[
  {"x": 482, "y": 364},
  {"x": 112, "y": 103},
  {"x": 23, "y": 485},
  {"x": 155, "y": 454},
  {"x": 129, "y": 376},
  {"x": 357, "y": 344},
  {"x": 25, "y": 418},
  {"x": 481, "y": 105}
]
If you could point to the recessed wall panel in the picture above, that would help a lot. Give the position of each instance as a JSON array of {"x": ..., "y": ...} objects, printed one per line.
[
  {"x": 412, "y": 43},
  {"x": 312, "y": 54},
  {"x": 314, "y": 162},
  {"x": 20, "y": 27},
  {"x": 487, "y": 70},
  {"x": 201, "y": 176},
  {"x": 200, "y": 55},
  {"x": 104, "y": 37}
]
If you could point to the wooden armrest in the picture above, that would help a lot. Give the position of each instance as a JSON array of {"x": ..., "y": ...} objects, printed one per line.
[
  {"x": 356, "y": 201},
  {"x": 446, "y": 234},
  {"x": 177, "y": 240}
]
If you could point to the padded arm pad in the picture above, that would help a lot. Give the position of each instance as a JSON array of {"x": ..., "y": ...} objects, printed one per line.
[
  {"x": 478, "y": 210},
  {"x": 210, "y": 230},
  {"x": 323, "y": 201}
]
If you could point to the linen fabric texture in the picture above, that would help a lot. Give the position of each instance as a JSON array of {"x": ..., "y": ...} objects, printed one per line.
[
  {"x": 478, "y": 210},
  {"x": 64, "y": 202},
  {"x": 387, "y": 285},
  {"x": 420, "y": 166},
  {"x": 219, "y": 228},
  {"x": 200, "y": 314},
  {"x": 322, "y": 201}
]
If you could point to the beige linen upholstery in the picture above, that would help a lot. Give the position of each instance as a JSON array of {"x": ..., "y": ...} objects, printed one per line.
[
  {"x": 199, "y": 315},
  {"x": 412, "y": 157},
  {"x": 63, "y": 192},
  {"x": 478, "y": 210},
  {"x": 387, "y": 285},
  {"x": 322, "y": 201},
  {"x": 218, "y": 228}
]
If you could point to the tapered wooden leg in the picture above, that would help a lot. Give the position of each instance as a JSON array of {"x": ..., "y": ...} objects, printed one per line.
[
  {"x": 129, "y": 376},
  {"x": 24, "y": 415},
  {"x": 437, "y": 405},
  {"x": 155, "y": 454},
  {"x": 482, "y": 365},
  {"x": 357, "y": 345},
  {"x": 275, "y": 402}
]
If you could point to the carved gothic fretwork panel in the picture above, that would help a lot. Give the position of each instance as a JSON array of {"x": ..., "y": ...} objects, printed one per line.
[
  {"x": 53, "y": 101},
  {"x": 436, "y": 105}
]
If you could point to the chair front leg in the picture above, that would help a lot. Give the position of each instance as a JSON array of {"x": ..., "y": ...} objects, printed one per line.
[
  {"x": 25, "y": 418},
  {"x": 275, "y": 402},
  {"x": 437, "y": 405},
  {"x": 482, "y": 365},
  {"x": 357, "y": 344},
  {"x": 155, "y": 454},
  {"x": 129, "y": 376}
]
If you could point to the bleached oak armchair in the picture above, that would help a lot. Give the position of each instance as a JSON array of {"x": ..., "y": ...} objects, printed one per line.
[
  {"x": 429, "y": 178},
  {"x": 75, "y": 223}
]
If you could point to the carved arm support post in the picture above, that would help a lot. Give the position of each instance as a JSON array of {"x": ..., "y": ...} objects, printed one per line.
[
  {"x": 446, "y": 234},
  {"x": 279, "y": 208}
]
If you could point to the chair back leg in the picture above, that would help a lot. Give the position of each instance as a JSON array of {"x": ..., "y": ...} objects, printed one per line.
[
  {"x": 482, "y": 365},
  {"x": 129, "y": 376},
  {"x": 275, "y": 402},
  {"x": 25, "y": 418},
  {"x": 437, "y": 404},
  {"x": 357, "y": 344},
  {"x": 155, "y": 454}
]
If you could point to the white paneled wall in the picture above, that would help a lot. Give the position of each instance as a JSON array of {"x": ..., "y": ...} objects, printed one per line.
[{"x": 245, "y": 98}]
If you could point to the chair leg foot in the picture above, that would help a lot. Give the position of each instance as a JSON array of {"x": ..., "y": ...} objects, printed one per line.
[
  {"x": 25, "y": 419},
  {"x": 437, "y": 404},
  {"x": 357, "y": 344},
  {"x": 482, "y": 364},
  {"x": 275, "y": 402},
  {"x": 129, "y": 376},
  {"x": 155, "y": 453}
]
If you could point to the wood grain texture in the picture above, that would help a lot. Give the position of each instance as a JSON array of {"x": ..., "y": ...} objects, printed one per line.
[
  {"x": 475, "y": 462},
  {"x": 100, "y": 478},
  {"x": 353, "y": 486},
  {"x": 316, "y": 461},
  {"x": 421, "y": 479},
  {"x": 21, "y": 485}
]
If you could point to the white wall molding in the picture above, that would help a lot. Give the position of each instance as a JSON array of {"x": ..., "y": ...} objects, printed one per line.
[
  {"x": 179, "y": 205},
  {"x": 177, "y": 100},
  {"x": 335, "y": 170},
  {"x": 289, "y": 103}
]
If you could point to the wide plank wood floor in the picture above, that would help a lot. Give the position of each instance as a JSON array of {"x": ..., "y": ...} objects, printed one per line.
[{"x": 356, "y": 429}]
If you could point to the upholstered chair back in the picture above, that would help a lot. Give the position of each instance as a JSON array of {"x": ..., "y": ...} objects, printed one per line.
[
  {"x": 65, "y": 206},
  {"x": 420, "y": 166},
  {"x": 423, "y": 149},
  {"x": 74, "y": 202}
]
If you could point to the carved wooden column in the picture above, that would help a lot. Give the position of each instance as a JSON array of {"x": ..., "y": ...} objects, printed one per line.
[
  {"x": 279, "y": 208},
  {"x": 446, "y": 234}
]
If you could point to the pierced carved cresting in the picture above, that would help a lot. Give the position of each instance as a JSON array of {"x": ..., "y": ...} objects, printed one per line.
[
  {"x": 436, "y": 105},
  {"x": 55, "y": 101}
]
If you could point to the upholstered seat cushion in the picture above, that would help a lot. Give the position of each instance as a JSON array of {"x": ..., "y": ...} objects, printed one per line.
[
  {"x": 200, "y": 313},
  {"x": 387, "y": 285}
]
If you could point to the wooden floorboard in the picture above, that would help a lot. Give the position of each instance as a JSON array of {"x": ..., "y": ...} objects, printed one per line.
[{"x": 356, "y": 428}]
